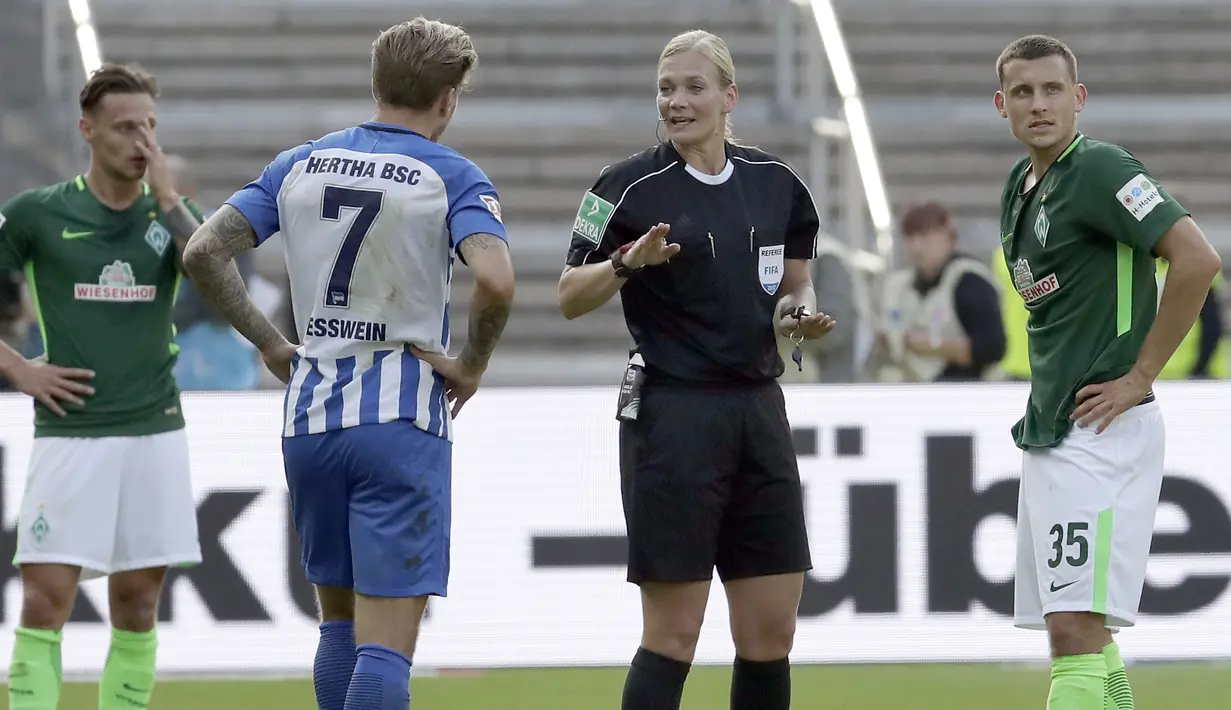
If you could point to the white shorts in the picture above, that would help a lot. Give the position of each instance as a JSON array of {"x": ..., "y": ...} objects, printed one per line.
[
  {"x": 1085, "y": 520},
  {"x": 109, "y": 504}
]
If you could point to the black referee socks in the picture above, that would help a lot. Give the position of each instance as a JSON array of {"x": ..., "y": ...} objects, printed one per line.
[
  {"x": 761, "y": 685},
  {"x": 654, "y": 682}
]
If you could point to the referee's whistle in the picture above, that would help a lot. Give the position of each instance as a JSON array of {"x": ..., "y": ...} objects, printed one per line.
[{"x": 798, "y": 313}]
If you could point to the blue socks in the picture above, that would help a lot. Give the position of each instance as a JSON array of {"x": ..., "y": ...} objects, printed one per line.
[
  {"x": 335, "y": 662},
  {"x": 381, "y": 680}
]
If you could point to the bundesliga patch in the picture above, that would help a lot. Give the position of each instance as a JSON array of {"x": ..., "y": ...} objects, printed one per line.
[
  {"x": 157, "y": 237},
  {"x": 592, "y": 217},
  {"x": 493, "y": 206},
  {"x": 1139, "y": 196}
]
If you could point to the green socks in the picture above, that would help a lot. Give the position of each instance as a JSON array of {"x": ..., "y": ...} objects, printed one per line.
[
  {"x": 34, "y": 673},
  {"x": 1119, "y": 696},
  {"x": 128, "y": 677},
  {"x": 1078, "y": 682},
  {"x": 1090, "y": 682}
]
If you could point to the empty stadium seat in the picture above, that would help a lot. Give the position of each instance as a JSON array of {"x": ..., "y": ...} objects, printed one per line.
[{"x": 561, "y": 91}]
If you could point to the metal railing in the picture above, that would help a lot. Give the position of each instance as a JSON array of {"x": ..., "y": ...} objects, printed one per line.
[
  {"x": 817, "y": 86},
  {"x": 37, "y": 125}
]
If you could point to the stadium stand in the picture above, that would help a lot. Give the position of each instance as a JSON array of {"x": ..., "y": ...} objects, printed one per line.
[
  {"x": 1156, "y": 73},
  {"x": 33, "y": 139},
  {"x": 561, "y": 91},
  {"x": 566, "y": 87}
]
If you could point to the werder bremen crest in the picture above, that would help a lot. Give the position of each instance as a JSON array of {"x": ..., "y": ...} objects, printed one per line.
[
  {"x": 157, "y": 237},
  {"x": 1022, "y": 278},
  {"x": 1040, "y": 227},
  {"x": 40, "y": 527}
]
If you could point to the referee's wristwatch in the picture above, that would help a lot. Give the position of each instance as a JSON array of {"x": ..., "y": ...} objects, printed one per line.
[{"x": 622, "y": 270}]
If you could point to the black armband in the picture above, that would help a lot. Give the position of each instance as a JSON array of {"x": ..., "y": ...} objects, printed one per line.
[{"x": 622, "y": 270}]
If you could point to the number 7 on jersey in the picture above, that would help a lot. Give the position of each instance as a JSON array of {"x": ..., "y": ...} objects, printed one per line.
[{"x": 333, "y": 201}]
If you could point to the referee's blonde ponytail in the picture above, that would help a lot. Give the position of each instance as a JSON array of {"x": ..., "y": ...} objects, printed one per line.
[{"x": 713, "y": 48}]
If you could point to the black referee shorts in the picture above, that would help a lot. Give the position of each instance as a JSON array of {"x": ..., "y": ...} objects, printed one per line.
[{"x": 710, "y": 479}]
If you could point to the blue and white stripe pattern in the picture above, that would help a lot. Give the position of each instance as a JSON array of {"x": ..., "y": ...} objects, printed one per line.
[
  {"x": 371, "y": 219},
  {"x": 383, "y": 386}
]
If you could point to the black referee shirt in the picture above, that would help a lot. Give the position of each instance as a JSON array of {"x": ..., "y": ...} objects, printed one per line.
[{"x": 706, "y": 316}]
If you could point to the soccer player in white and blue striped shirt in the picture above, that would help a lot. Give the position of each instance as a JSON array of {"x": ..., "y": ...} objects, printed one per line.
[{"x": 371, "y": 218}]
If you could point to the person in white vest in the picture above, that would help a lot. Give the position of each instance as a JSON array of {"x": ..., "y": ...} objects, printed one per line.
[{"x": 940, "y": 317}]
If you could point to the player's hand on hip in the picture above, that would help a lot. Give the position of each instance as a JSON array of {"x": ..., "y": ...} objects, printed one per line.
[
  {"x": 810, "y": 327},
  {"x": 51, "y": 384},
  {"x": 651, "y": 248},
  {"x": 157, "y": 174},
  {"x": 278, "y": 360},
  {"x": 1101, "y": 403},
  {"x": 461, "y": 380}
]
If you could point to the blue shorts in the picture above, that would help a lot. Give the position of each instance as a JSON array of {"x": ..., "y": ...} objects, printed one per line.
[{"x": 372, "y": 506}]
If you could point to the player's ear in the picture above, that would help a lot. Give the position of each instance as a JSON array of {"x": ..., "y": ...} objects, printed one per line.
[
  {"x": 86, "y": 126},
  {"x": 732, "y": 98},
  {"x": 998, "y": 99},
  {"x": 449, "y": 101},
  {"x": 1081, "y": 97}
]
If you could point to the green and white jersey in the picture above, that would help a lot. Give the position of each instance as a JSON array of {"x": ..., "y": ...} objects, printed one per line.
[
  {"x": 1079, "y": 247},
  {"x": 103, "y": 282}
]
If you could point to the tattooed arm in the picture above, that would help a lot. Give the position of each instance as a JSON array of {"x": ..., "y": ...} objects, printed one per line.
[
  {"x": 209, "y": 259},
  {"x": 488, "y": 257}
]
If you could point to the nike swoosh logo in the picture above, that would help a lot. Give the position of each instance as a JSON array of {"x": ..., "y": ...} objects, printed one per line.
[
  {"x": 1056, "y": 588},
  {"x": 66, "y": 234}
]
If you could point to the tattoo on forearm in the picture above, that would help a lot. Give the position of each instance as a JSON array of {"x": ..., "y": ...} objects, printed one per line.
[
  {"x": 488, "y": 322},
  {"x": 209, "y": 259},
  {"x": 486, "y": 328}
]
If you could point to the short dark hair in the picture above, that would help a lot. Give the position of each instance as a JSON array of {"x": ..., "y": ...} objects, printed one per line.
[
  {"x": 116, "y": 79},
  {"x": 1036, "y": 47},
  {"x": 920, "y": 217}
]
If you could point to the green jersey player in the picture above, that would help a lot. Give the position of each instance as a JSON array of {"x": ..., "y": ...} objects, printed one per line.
[
  {"x": 1082, "y": 222},
  {"x": 108, "y": 489}
]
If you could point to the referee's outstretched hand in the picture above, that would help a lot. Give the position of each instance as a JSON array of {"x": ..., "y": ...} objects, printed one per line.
[
  {"x": 651, "y": 248},
  {"x": 810, "y": 327},
  {"x": 48, "y": 383}
]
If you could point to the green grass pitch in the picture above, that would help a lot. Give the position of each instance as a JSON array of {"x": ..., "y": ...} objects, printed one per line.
[{"x": 881, "y": 687}]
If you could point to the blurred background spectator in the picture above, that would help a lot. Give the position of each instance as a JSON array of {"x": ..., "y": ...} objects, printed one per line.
[
  {"x": 566, "y": 87},
  {"x": 17, "y": 321},
  {"x": 213, "y": 356},
  {"x": 940, "y": 316},
  {"x": 542, "y": 129}
]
